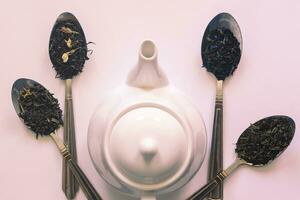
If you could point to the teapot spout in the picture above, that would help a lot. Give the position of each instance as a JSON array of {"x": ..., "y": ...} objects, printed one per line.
[{"x": 147, "y": 74}]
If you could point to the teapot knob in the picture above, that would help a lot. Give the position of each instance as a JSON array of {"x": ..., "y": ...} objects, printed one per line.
[{"x": 148, "y": 148}]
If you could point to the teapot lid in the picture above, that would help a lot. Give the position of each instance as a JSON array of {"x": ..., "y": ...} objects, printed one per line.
[{"x": 137, "y": 146}]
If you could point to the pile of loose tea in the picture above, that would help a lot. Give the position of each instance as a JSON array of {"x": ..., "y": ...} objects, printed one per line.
[
  {"x": 68, "y": 49},
  {"x": 221, "y": 53},
  {"x": 39, "y": 110},
  {"x": 264, "y": 140}
]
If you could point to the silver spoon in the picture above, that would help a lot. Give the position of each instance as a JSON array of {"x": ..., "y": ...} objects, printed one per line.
[
  {"x": 18, "y": 87},
  {"x": 68, "y": 63},
  {"x": 212, "y": 53},
  {"x": 254, "y": 149}
]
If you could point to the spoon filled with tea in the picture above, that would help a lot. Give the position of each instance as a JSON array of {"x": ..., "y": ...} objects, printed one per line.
[
  {"x": 68, "y": 53},
  {"x": 221, "y": 52},
  {"x": 258, "y": 145},
  {"x": 40, "y": 112}
]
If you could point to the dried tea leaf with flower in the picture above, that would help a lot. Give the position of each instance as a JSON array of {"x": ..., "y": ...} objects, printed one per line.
[
  {"x": 68, "y": 49},
  {"x": 39, "y": 110}
]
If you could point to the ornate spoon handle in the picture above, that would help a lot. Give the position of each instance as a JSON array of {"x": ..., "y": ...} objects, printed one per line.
[
  {"x": 213, "y": 183},
  {"x": 88, "y": 189},
  {"x": 69, "y": 184},
  {"x": 216, "y": 151}
]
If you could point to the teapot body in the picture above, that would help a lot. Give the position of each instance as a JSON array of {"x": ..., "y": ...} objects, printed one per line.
[{"x": 147, "y": 138}]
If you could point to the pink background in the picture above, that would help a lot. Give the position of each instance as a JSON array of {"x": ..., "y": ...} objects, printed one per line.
[{"x": 266, "y": 83}]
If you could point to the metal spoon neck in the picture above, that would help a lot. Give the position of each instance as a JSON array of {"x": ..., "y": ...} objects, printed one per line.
[
  {"x": 219, "y": 92},
  {"x": 68, "y": 88},
  {"x": 238, "y": 162}
]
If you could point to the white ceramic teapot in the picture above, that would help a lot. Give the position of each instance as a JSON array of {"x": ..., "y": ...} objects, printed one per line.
[{"x": 147, "y": 139}]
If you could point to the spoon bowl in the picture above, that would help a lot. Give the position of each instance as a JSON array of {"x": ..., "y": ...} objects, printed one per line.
[
  {"x": 223, "y": 21},
  {"x": 67, "y": 25},
  {"x": 265, "y": 140},
  {"x": 19, "y": 86},
  {"x": 221, "y": 47}
]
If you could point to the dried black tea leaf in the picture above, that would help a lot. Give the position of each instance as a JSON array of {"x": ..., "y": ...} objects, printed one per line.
[
  {"x": 221, "y": 53},
  {"x": 68, "y": 49},
  {"x": 40, "y": 110},
  {"x": 264, "y": 140}
]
